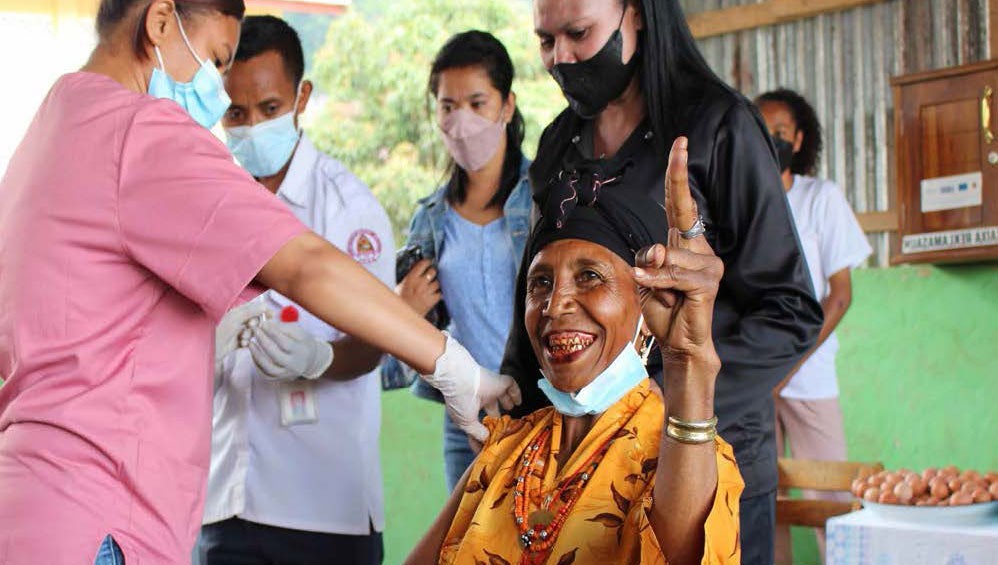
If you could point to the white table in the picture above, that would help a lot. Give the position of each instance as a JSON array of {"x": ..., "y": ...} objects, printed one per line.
[{"x": 862, "y": 537}]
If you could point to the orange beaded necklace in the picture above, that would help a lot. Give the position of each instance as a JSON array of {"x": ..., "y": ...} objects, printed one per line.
[{"x": 539, "y": 529}]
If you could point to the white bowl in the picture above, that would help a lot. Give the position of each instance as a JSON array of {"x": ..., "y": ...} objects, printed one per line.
[{"x": 968, "y": 515}]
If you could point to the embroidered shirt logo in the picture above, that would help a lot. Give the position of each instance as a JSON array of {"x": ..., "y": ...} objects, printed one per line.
[{"x": 364, "y": 246}]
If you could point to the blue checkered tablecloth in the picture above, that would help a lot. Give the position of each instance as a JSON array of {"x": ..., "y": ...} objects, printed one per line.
[{"x": 865, "y": 538}]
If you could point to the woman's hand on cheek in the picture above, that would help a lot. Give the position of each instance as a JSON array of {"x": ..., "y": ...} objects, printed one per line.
[{"x": 679, "y": 282}]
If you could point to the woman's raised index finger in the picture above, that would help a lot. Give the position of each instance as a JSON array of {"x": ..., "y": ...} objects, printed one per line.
[{"x": 680, "y": 208}]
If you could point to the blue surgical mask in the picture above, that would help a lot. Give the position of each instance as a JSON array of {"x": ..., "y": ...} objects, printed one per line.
[
  {"x": 203, "y": 97},
  {"x": 265, "y": 148},
  {"x": 626, "y": 372}
]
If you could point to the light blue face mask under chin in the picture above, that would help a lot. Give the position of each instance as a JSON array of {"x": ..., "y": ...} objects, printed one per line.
[
  {"x": 626, "y": 372},
  {"x": 204, "y": 97},
  {"x": 265, "y": 148}
]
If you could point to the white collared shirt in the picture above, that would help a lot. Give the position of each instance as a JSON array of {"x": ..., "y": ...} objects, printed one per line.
[{"x": 325, "y": 476}]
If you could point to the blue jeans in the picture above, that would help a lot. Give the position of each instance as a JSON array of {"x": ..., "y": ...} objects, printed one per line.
[
  {"x": 458, "y": 455},
  {"x": 109, "y": 553}
]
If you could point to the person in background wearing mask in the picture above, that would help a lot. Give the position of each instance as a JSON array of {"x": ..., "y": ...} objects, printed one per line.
[
  {"x": 285, "y": 483},
  {"x": 473, "y": 229},
  {"x": 635, "y": 81},
  {"x": 126, "y": 233},
  {"x": 808, "y": 414}
]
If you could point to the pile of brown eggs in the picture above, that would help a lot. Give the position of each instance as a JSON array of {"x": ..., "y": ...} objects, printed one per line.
[{"x": 932, "y": 487}]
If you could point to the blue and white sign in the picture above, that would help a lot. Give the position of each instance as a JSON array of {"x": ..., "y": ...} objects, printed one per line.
[{"x": 949, "y": 193}]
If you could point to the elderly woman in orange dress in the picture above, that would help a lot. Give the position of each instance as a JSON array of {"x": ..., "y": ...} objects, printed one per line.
[{"x": 616, "y": 471}]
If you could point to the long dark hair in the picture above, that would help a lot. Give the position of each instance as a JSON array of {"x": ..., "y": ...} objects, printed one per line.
[
  {"x": 674, "y": 73},
  {"x": 480, "y": 49},
  {"x": 805, "y": 161},
  {"x": 674, "y": 78},
  {"x": 113, "y": 12}
]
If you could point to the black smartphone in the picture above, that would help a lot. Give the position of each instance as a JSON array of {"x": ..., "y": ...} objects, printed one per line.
[{"x": 405, "y": 259}]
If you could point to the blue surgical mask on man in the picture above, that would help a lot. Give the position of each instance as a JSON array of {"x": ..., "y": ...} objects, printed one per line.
[
  {"x": 203, "y": 97},
  {"x": 624, "y": 373},
  {"x": 264, "y": 149}
]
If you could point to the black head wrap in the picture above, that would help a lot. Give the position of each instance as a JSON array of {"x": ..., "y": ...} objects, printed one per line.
[
  {"x": 592, "y": 204},
  {"x": 591, "y": 200}
]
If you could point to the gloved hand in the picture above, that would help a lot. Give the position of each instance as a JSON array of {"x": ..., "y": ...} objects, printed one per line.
[
  {"x": 285, "y": 351},
  {"x": 228, "y": 330},
  {"x": 469, "y": 388}
]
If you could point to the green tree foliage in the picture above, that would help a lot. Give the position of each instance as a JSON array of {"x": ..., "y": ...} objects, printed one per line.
[
  {"x": 379, "y": 118},
  {"x": 311, "y": 30}
]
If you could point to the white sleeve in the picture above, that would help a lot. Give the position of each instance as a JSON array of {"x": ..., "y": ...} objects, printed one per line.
[
  {"x": 377, "y": 221},
  {"x": 362, "y": 230},
  {"x": 843, "y": 243},
  {"x": 370, "y": 240}
]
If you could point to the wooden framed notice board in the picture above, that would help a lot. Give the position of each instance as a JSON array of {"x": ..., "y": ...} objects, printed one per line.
[{"x": 946, "y": 155}]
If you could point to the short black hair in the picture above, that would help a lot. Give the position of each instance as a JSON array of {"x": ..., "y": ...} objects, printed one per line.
[
  {"x": 268, "y": 33},
  {"x": 805, "y": 161}
]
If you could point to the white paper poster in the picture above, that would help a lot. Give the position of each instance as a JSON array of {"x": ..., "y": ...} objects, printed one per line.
[{"x": 948, "y": 193}]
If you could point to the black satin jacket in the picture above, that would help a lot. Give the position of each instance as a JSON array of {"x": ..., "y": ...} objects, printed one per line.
[{"x": 766, "y": 316}]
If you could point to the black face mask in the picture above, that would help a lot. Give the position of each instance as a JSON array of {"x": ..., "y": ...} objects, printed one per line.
[
  {"x": 592, "y": 84},
  {"x": 784, "y": 152}
]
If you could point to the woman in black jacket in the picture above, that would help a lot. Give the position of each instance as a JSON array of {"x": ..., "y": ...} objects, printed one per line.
[{"x": 635, "y": 80}]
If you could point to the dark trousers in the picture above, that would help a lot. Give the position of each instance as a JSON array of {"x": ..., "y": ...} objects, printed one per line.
[
  {"x": 238, "y": 542},
  {"x": 758, "y": 527}
]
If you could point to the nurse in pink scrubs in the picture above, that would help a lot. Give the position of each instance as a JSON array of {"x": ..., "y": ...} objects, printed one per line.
[{"x": 126, "y": 232}]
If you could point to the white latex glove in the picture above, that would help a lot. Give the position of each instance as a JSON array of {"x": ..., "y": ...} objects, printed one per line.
[
  {"x": 285, "y": 352},
  {"x": 468, "y": 388},
  {"x": 228, "y": 330}
]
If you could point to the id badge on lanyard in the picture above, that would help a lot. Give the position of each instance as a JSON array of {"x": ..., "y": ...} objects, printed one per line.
[{"x": 298, "y": 406}]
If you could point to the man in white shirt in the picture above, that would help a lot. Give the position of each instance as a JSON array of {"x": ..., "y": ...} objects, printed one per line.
[
  {"x": 295, "y": 471},
  {"x": 807, "y": 401}
]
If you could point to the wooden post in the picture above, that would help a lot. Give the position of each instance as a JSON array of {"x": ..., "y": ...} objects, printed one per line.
[
  {"x": 992, "y": 29},
  {"x": 875, "y": 222},
  {"x": 767, "y": 12}
]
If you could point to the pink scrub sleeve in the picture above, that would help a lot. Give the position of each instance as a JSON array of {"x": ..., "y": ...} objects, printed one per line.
[{"x": 190, "y": 215}]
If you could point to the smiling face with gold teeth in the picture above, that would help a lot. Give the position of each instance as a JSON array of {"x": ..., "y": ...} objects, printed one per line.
[{"x": 582, "y": 307}]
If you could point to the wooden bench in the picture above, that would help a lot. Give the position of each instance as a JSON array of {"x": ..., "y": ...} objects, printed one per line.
[{"x": 830, "y": 476}]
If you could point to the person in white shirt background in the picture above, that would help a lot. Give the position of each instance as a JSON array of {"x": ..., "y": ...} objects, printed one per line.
[
  {"x": 295, "y": 472},
  {"x": 807, "y": 401}
]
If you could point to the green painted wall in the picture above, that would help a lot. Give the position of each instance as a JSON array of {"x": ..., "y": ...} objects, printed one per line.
[
  {"x": 918, "y": 368},
  {"x": 918, "y": 371}
]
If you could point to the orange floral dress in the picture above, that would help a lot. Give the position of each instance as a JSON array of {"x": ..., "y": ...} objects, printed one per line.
[{"x": 609, "y": 522}]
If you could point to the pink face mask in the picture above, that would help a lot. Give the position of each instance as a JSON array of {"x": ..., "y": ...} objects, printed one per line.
[{"x": 471, "y": 139}]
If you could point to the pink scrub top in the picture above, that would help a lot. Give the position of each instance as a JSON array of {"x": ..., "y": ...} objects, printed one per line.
[{"x": 126, "y": 232}]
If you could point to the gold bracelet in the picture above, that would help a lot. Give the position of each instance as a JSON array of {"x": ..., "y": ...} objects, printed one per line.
[
  {"x": 697, "y": 425},
  {"x": 690, "y": 436}
]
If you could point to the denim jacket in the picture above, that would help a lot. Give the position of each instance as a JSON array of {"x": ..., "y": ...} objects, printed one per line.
[{"x": 426, "y": 231}]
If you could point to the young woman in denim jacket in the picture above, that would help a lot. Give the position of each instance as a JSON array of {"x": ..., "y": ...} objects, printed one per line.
[{"x": 472, "y": 230}]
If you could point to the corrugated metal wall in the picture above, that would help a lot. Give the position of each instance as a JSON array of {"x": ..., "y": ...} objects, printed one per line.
[{"x": 842, "y": 62}]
